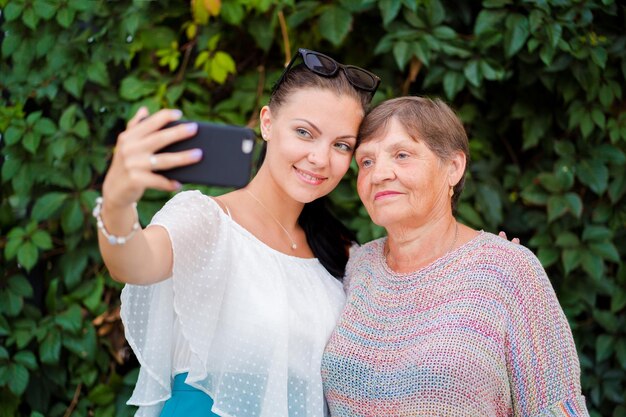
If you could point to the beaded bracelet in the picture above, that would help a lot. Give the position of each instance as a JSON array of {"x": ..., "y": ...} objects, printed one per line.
[{"x": 112, "y": 239}]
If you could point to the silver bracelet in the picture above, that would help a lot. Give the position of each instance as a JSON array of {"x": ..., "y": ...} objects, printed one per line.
[{"x": 112, "y": 239}]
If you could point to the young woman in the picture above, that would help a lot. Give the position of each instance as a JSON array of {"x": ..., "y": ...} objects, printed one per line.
[{"x": 230, "y": 300}]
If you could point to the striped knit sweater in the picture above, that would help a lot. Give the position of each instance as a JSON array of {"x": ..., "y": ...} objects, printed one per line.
[{"x": 479, "y": 332}]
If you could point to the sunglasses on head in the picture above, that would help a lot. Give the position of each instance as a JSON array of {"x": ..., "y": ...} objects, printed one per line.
[{"x": 325, "y": 66}]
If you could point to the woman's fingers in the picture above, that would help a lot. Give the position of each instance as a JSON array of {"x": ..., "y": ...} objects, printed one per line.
[
  {"x": 163, "y": 161},
  {"x": 158, "y": 182},
  {"x": 143, "y": 126},
  {"x": 164, "y": 137},
  {"x": 141, "y": 114},
  {"x": 503, "y": 236}
]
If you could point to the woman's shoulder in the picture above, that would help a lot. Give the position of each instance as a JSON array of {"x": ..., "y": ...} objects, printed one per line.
[
  {"x": 512, "y": 260},
  {"x": 366, "y": 252}
]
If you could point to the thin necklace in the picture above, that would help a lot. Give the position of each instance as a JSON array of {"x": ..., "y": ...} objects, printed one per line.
[
  {"x": 456, "y": 235},
  {"x": 293, "y": 244}
]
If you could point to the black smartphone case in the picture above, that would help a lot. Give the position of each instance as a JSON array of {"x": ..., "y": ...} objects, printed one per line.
[{"x": 226, "y": 155}]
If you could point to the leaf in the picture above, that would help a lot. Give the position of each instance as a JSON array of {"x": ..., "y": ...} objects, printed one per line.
[
  {"x": 19, "y": 285},
  {"x": 473, "y": 72},
  {"x": 50, "y": 347},
  {"x": 567, "y": 240},
  {"x": 557, "y": 206},
  {"x": 220, "y": 66},
  {"x": 10, "y": 44},
  {"x": 570, "y": 259},
  {"x": 18, "y": 379},
  {"x": 44, "y": 9},
  {"x": 74, "y": 84},
  {"x": 84, "y": 343},
  {"x": 389, "y": 10},
  {"x": 97, "y": 72},
  {"x": 435, "y": 12},
  {"x": 606, "y": 250},
  {"x": 27, "y": 359},
  {"x": 596, "y": 233},
  {"x": 81, "y": 174},
  {"x": 71, "y": 319},
  {"x": 453, "y": 82},
  {"x": 10, "y": 167},
  {"x": 12, "y": 135},
  {"x": 516, "y": 34},
  {"x": 41, "y": 239},
  {"x": 232, "y": 12},
  {"x": 47, "y": 206},
  {"x": 547, "y": 256},
  {"x": 72, "y": 265},
  {"x": 45, "y": 126},
  {"x": 401, "y": 53},
  {"x": 65, "y": 17},
  {"x": 554, "y": 31},
  {"x": 334, "y": 24},
  {"x": 604, "y": 347},
  {"x": 12, "y": 11},
  {"x": 594, "y": 174},
  {"x": 72, "y": 217},
  {"x": 262, "y": 33},
  {"x": 29, "y": 18},
  {"x": 593, "y": 265},
  {"x": 31, "y": 141},
  {"x": 27, "y": 255},
  {"x": 618, "y": 300},
  {"x": 132, "y": 88},
  {"x": 101, "y": 394},
  {"x": 574, "y": 203},
  {"x": 488, "y": 21}
]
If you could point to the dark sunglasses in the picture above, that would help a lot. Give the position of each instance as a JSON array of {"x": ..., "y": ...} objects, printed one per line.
[{"x": 325, "y": 66}]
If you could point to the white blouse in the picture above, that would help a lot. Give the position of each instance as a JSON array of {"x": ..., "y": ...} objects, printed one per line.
[{"x": 247, "y": 322}]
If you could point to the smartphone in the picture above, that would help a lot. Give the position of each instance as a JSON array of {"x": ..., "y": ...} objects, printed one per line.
[{"x": 226, "y": 155}]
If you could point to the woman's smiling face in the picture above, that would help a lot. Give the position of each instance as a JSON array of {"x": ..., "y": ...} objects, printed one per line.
[
  {"x": 401, "y": 181},
  {"x": 310, "y": 141}
]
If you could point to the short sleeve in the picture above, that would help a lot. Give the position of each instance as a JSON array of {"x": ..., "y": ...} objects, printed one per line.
[{"x": 542, "y": 362}]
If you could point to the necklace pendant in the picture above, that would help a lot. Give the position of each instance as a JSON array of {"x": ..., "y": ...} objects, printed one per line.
[{"x": 294, "y": 246}]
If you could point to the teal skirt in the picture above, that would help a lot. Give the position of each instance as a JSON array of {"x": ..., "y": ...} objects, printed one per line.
[{"x": 187, "y": 401}]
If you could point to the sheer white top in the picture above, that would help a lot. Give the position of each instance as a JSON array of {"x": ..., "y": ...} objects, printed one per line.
[{"x": 247, "y": 322}]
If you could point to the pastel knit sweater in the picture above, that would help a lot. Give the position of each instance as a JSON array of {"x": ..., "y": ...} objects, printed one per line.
[{"x": 479, "y": 332}]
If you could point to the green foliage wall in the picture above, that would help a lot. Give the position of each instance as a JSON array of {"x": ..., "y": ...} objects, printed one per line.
[{"x": 539, "y": 85}]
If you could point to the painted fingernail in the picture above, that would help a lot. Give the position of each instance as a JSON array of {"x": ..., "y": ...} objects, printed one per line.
[
  {"x": 191, "y": 127},
  {"x": 196, "y": 153},
  {"x": 177, "y": 114},
  {"x": 177, "y": 185}
]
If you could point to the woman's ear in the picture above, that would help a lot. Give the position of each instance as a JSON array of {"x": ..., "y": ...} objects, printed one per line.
[
  {"x": 265, "y": 117},
  {"x": 456, "y": 167}
]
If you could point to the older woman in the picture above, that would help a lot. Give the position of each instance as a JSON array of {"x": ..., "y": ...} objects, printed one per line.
[{"x": 441, "y": 319}]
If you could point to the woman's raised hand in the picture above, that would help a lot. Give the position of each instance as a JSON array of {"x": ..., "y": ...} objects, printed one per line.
[{"x": 134, "y": 160}]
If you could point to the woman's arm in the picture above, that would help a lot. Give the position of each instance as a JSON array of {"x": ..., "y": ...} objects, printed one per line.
[
  {"x": 146, "y": 257},
  {"x": 542, "y": 362}
]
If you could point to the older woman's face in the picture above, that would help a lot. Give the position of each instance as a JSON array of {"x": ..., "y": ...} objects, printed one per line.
[{"x": 401, "y": 181}]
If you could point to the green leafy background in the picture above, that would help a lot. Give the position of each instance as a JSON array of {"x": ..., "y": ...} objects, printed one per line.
[{"x": 539, "y": 85}]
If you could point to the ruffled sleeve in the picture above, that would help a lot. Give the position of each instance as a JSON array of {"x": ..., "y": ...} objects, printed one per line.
[{"x": 148, "y": 311}]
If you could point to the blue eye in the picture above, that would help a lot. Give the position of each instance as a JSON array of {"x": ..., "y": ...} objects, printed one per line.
[
  {"x": 343, "y": 146},
  {"x": 402, "y": 155},
  {"x": 366, "y": 163},
  {"x": 303, "y": 132}
]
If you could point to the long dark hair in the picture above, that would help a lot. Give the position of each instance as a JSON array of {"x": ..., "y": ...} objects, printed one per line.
[{"x": 328, "y": 237}]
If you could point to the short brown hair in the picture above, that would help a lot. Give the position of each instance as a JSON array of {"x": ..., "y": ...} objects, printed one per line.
[{"x": 429, "y": 120}]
